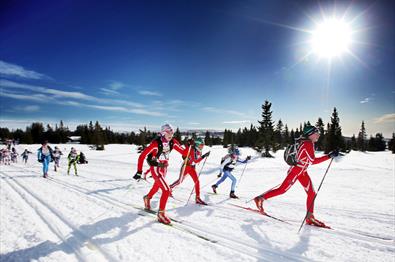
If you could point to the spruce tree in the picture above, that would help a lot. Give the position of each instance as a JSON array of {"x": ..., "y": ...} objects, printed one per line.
[
  {"x": 321, "y": 128},
  {"x": 266, "y": 132},
  {"x": 361, "y": 140},
  {"x": 278, "y": 135},
  {"x": 177, "y": 135},
  {"x": 207, "y": 139},
  {"x": 335, "y": 138},
  {"x": 391, "y": 144}
]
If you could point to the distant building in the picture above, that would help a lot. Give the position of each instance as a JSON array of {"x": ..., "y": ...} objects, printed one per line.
[{"x": 73, "y": 140}]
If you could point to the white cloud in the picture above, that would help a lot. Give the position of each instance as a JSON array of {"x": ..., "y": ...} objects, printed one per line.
[
  {"x": 58, "y": 97},
  {"x": 106, "y": 91},
  {"x": 31, "y": 108},
  {"x": 223, "y": 111},
  {"x": 237, "y": 122},
  {"x": 40, "y": 89},
  {"x": 8, "y": 69},
  {"x": 366, "y": 100},
  {"x": 193, "y": 123},
  {"x": 113, "y": 88},
  {"x": 149, "y": 93},
  {"x": 385, "y": 118}
]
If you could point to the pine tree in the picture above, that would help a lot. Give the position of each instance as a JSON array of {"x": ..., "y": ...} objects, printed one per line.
[
  {"x": 278, "y": 135},
  {"x": 265, "y": 142},
  {"x": 321, "y": 128},
  {"x": 177, "y": 135},
  {"x": 353, "y": 144},
  {"x": 376, "y": 143},
  {"x": 335, "y": 139},
  {"x": 37, "y": 132},
  {"x": 207, "y": 139},
  {"x": 98, "y": 135},
  {"x": 391, "y": 144},
  {"x": 287, "y": 138},
  {"x": 361, "y": 141}
]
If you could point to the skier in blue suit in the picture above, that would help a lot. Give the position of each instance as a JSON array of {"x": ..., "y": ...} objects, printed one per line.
[
  {"x": 228, "y": 163},
  {"x": 44, "y": 155}
]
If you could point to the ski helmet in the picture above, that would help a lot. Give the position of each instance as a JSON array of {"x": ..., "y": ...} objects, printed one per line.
[
  {"x": 233, "y": 150},
  {"x": 166, "y": 128},
  {"x": 199, "y": 141},
  {"x": 308, "y": 130}
]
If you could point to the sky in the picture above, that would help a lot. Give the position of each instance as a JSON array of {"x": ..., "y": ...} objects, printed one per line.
[{"x": 194, "y": 64}]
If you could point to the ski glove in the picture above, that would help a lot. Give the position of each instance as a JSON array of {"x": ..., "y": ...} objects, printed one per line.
[
  {"x": 220, "y": 174},
  {"x": 333, "y": 153},
  {"x": 162, "y": 164},
  {"x": 137, "y": 176},
  {"x": 206, "y": 155},
  {"x": 40, "y": 160}
]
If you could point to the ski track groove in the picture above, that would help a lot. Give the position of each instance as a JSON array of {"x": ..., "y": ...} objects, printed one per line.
[
  {"x": 80, "y": 237},
  {"x": 191, "y": 226},
  {"x": 186, "y": 227}
]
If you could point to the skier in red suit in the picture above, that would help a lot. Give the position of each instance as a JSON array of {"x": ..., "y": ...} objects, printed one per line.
[
  {"x": 305, "y": 157},
  {"x": 157, "y": 154},
  {"x": 194, "y": 153}
]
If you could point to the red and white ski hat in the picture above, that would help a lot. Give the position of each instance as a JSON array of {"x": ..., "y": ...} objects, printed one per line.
[{"x": 166, "y": 128}]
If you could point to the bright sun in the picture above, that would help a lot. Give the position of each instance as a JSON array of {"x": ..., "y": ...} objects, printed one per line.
[{"x": 331, "y": 38}]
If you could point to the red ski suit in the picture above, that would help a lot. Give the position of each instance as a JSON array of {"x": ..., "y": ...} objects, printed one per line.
[
  {"x": 299, "y": 172},
  {"x": 159, "y": 173},
  {"x": 194, "y": 158}
]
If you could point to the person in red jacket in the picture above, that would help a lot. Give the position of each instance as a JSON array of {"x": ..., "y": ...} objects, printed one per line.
[
  {"x": 305, "y": 157},
  {"x": 157, "y": 154},
  {"x": 194, "y": 153}
]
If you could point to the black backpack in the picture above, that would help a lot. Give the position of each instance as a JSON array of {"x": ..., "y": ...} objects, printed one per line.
[
  {"x": 150, "y": 160},
  {"x": 291, "y": 152}
]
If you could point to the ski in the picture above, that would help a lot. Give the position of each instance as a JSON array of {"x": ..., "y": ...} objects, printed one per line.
[
  {"x": 259, "y": 212},
  {"x": 177, "y": 224}
]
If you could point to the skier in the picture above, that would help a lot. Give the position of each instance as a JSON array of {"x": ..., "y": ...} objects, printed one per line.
[
  {"x": 228, "y": 163},
  {"x": 6, "y": 156},
  {"x": 44, "y": 155},
  {"x": 56, "y": 155},
  {"x": 305, "y": 157},
  {"x": 195, "y": 156},
  {"x": 157, "y": 154},
  {"x": 14, "y": 155},
  {"x": 73, "y": 159},
  {"x": 25, "y": 155},
  {"x": 82, "y": 159}
]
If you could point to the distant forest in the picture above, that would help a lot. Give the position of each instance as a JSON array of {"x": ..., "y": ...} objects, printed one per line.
[{"x": 267, "y": 136}]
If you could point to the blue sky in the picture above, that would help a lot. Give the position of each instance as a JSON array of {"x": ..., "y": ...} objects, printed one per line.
[{"x": 195, "y": 64}]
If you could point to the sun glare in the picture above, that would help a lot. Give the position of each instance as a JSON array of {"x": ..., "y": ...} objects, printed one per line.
[{"x": 331, "y": 38}]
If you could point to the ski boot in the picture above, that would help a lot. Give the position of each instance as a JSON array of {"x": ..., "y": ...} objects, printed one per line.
[
  {"x": 45, "y": 175},
  {"x": 162, "y": 218},
  {"x": 200, "y": 201},
  {"x": 232, "y": 194},
  {"x": 214, "y": 187},
  {"x": 258, "y": 202},
  {"x": 312, "y": 221},
  {"x": 147, "y": 204}
]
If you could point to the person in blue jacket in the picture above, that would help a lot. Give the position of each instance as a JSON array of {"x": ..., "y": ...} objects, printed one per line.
[
  {"x": 44, "y": 155},
  {"x": 228, "y": 163}
]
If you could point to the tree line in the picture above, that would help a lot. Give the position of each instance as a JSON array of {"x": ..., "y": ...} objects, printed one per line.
[{"x": 267, "y": 136}]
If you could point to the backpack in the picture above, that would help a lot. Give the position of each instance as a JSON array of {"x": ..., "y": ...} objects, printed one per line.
[
  {"x": 291, "y": 152},
  {"x": 150, "y": 160}
]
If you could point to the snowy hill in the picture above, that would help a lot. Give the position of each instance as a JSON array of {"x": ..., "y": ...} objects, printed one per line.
[{"x": 97, "y": 216}]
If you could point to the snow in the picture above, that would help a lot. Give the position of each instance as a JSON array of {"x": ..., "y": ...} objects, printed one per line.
[{"x": 95, "y": 216}]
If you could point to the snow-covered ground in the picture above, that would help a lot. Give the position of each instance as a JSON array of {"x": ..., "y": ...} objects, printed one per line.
[{"x": 96, "y": 216}]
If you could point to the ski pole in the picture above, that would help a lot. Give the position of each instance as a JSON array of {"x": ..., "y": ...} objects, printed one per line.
[
  {"x": 193, "y": 189},
  {"x": 312, "y": 203},
  {"x": 242, "y": 173}
]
